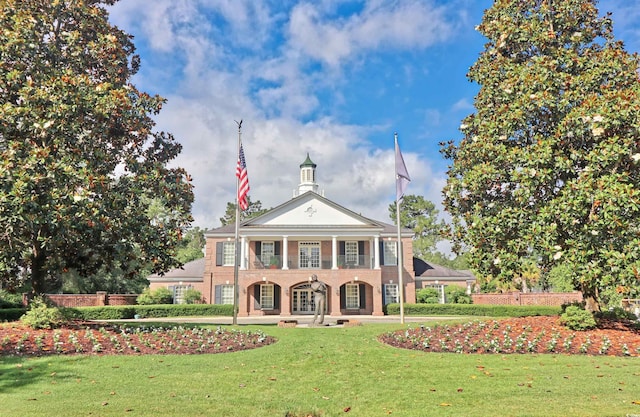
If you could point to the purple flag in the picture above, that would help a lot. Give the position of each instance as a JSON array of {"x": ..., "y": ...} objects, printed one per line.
[{"x": 402, "y": 176}]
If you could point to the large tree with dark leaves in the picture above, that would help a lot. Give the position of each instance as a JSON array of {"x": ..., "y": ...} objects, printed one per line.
[
  {"x": 80, "y": 163},
  {"x": 548, "y": 168}
]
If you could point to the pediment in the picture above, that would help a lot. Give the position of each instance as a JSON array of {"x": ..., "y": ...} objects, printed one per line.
[{"x": 310, "y": 209}]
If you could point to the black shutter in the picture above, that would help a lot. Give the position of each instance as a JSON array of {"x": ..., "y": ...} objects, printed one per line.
[
  {"x": 258, "y": 249},
  {"x": 363, "y": 296},
  {"x": 381, "y": 243},
  {"x": 219, "y": 253},
  {"x": 256, "y": 297},
  {"x": 218, "y": 295},
  {"x": 384, "y": 294},
  {"x": 341, "y": 248},
  {"x": 361, "y": 252},
  {"x": 343, "y": 298},
  {"x": 276, "y": 296}
]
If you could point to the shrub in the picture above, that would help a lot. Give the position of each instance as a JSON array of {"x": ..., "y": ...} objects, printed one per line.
[
  {"x": 9, "y": 300},
  {"x": 11, "y": 314},
  {"x": 427, "y": 296},
  {"x": 576, "y": 318},
  {"x": 149, "y": 311},
  {"x": 192, "y": 296},
  {"x": 457, "y": 295},
  {"x": 42, "y": 316},
  {"x": 163, "y": 296},
  {"x": 486, "y": 310},
  {"x": 616, "y": 313},
  {"x": 159, "y": 296}
]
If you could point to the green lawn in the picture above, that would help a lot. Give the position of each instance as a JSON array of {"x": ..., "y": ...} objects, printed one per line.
[{"x": 326, "y": 371}]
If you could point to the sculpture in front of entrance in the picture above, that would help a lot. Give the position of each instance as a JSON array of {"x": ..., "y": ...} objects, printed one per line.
[{"x": 319, "y": 289}]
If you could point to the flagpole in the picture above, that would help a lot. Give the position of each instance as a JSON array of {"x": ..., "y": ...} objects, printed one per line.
[
  {"x": 236, "y": 292},
  {"x": 399, "y": 262}
]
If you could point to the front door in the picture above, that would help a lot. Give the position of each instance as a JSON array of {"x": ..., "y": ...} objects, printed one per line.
[{"x": 303, "y": 300}]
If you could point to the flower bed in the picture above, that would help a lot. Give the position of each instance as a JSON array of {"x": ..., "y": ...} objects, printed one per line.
[
  {"x": 520, "y": 335},
  {"x": 18, "y": 339}
]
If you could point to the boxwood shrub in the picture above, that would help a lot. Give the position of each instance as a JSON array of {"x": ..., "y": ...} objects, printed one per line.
[
  {"x": 11, "y": 314},
  {"x": 148, "y": 311},
  {"x": 473, "y": 310}
]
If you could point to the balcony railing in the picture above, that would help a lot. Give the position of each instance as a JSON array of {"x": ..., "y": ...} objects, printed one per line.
[{"x": 325, "y": 262}]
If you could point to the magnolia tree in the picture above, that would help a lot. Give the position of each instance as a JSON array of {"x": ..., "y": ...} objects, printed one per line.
[
  {"x": 548, "y": 168},
  {"x": 80, "y": 163}
]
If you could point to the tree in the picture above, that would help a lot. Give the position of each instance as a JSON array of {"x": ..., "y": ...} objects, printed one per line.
[
  {"x": 421, "y": 216},
  {"x": 113, "y": 281},
  {"x": 254, "y": 210},
  {"x": 548, "y": 165},
  {"x": 80, "y": 163},
  {"x": 190, "y": 248}
]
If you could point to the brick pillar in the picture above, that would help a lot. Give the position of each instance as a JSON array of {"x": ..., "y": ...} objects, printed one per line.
[
  {"x": 285, "y": 302},
  {"x": 101, "y": 298}
]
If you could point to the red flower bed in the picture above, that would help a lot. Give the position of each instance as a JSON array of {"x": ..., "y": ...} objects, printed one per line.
[
  {"x": 18, "y": 339},
  {"x": 520, "y": 335}
]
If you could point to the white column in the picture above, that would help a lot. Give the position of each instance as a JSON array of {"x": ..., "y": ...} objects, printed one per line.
[
  {"x": 285, "y": 252},
  {"x": 376, "y": 252},
  {"x": 243, "y": 252},
  {"x": 334, "y": 252}
]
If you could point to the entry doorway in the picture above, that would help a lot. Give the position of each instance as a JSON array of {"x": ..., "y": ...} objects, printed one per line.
[{"x": 303, "y": 301}]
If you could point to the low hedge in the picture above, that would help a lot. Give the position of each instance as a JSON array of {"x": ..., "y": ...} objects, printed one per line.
[
  {"x": 488, "y": 310},
  {"x": 148, "y": 311},
  {"x": 11, "y": 314}
]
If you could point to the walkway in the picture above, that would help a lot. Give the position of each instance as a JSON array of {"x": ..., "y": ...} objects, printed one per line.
[{"x": 302, "y": 320}]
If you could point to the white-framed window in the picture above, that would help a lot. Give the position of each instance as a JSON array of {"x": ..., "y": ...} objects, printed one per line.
[
  {"x": 390, "y": 253},
  {"x": 391, "y": 294},
  {"x": 226, "y": 294},
  {"x": 441, "y": 293},
  {"x": 309, "y": 255},
  {"x": 178, "y": 293},
  {"x": 351, "y": 253},
  {"x": 268, "y": 250},
  {"x": 352, "y": 296},
  {"x": 266, "y": 296},
  {"x": 228, "y": 253}
]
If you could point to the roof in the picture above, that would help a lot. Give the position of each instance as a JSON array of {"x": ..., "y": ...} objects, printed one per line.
[
  {"x": 189, "y": 271},
  {"x": 308, "y": 162},
  {"x": 270, "y": 221},
  {"x": 430, "y": 271}
]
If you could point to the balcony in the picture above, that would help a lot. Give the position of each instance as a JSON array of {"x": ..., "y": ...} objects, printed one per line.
[{"x": 310, "y": 263}]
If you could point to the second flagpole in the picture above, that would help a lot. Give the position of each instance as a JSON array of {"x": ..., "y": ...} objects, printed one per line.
[{"x": 236, "y": 292}]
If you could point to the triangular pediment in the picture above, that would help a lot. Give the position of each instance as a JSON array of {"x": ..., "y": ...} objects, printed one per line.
[{"x": 310, "y": 209}]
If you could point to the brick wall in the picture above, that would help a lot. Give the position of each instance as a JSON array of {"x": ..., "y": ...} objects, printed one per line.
[{"x": 527, "y": 299}]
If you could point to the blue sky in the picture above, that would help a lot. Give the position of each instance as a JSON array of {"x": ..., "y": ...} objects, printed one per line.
[{"x": 332, "y": 78}]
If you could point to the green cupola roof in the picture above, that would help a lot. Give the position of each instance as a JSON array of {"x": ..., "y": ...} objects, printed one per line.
[{"x": 308, "y": 162}]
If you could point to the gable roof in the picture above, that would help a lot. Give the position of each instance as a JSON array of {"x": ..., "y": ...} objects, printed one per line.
[
  {"x": 430, "y": 271},
  {"x": 310, "y": 212},
  {"x": 191, "y": 271}
]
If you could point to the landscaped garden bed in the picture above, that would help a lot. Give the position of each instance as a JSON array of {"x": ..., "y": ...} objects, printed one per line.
[
  {"x": 107, "y": 339},
  {"x": 536, "y": 334}
]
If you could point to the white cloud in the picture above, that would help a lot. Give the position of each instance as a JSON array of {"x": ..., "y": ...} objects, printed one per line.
[
  {"x": 215, "y": 74},
  {"x": 387, "y": 25}
]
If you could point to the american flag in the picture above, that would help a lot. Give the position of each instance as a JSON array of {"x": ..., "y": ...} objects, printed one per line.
[{"x": 243, "y": 186}]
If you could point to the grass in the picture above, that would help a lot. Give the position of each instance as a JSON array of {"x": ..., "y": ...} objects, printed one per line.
[{"x": 321, "y": 372}]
